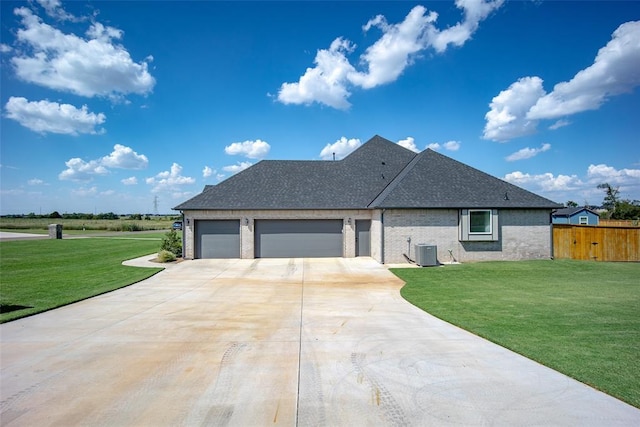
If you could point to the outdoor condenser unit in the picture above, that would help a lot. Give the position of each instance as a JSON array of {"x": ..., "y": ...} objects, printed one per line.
[{"x": 426, "y": 255}]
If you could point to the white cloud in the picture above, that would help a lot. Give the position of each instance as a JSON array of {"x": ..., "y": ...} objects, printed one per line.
[
  {"x": 35, "y": 181},
  {"x": 506, "y": 118},
  {"x": 517, "y": 110},
  {"x": 239, "y": 167},
  {"x": 527, "y": 153},
  {"x": 92, "y": 66},
  {"x": 85, "y": 192},
  {"x": 4, "y": 48},
  {"x": 449, "y": 145},
  {"x": 170, "y": 180},
  {"x": 341, "y": 148},
  {"x": 559, "y": 124},
  {"x": 602, "y": 173},
  {"x": 125, "y": 158},
  {"x": 257, "y": 149},
  {"x": 475, "y": 11},
  {"x": 409, "y": 143},
  {"x": 55, "y": 10},
  {"x": 329, "y": 82},
  {"x": 452, "y": 145},
  {"x": 132, "y": 180},
  {"x": 207, "y": 172},
  {"x": 46, "y": 116},
  {"x": 546, "y": 182},
  {"x": 79, "y": 170},
  {"x": 614, "y": 71},
  {"x": 573, "y": 187},
  {"x": 122, "y": 157},
  {"x": 388, "y": 57},
  {"x": 326, "y": 83}
]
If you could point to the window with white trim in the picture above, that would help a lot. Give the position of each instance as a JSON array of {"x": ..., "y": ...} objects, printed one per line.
[
  {"x": 478, "y": 225},
  {"x": 583, "y": 220}
]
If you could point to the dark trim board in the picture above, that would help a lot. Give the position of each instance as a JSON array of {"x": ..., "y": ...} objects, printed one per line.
[{"x": 298, "y": 238}]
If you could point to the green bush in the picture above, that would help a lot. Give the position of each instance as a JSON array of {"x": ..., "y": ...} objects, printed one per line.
[
  {"x": 171, "y": 242},
  {"x": 166, "y": 256},
  {"x": 131, "y": 227}
]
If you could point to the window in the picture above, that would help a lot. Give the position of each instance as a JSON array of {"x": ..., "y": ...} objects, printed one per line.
[
  {"x": 583, "y": 220},
  {"x": 480, "y": 225},
  {"x": 480, "y": 222}
]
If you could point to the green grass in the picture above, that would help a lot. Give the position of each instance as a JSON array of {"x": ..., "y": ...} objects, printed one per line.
[
  {"x": 39, "y": 275},
  {"x": 579, "y": 318}
]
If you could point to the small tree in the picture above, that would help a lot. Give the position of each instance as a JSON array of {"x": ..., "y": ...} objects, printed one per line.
[
  {"x": 610, "y": 199},
  {"x": 171, "y": 242},
  {"x": 571, "y": 204}
]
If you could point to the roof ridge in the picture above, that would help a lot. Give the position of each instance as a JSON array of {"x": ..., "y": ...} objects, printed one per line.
[{"x": 396, "y": 180}]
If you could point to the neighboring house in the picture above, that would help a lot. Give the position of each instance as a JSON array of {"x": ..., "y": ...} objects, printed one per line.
[
  {"x": 576, "y": 216},
  {"x": 379, "y": 201}
]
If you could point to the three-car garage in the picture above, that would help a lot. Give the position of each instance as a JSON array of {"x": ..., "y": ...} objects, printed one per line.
[{"x": 272, "y": 238}]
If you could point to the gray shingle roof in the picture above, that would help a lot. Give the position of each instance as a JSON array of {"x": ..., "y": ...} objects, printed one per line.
[
  {"x": 379, "y": 174},
  {"x": 284, "y": 184},
  {"x": 437, "y": 181},
  {"x": 572, "y": 211}
]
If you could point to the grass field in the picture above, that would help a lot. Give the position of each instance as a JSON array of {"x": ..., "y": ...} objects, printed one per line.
[
  {"x": 38, "y": 275},
  {"x": 579, "y": 318},
  {"x": 41, "y": 225}
]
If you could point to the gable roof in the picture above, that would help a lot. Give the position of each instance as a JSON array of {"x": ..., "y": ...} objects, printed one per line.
[
  {"x": 313, "y": 184},
  {"x": 437, "y": 181},
  {"x": 379, "y": 174},
  {"x": 568, "y": 212}
]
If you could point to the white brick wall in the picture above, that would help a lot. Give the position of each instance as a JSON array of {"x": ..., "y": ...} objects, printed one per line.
[{"x": 524, "y": 234}]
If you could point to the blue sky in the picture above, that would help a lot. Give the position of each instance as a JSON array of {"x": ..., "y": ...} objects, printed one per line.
[{"x": 108, "y": 106}]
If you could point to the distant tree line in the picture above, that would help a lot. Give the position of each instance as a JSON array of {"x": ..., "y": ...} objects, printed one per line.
[{"x": 87, "y": 216}]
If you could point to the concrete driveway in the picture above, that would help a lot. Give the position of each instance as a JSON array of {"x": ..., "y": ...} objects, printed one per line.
[{"x": 306, "y": 342}]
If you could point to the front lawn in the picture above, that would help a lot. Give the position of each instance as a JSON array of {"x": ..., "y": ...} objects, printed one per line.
[
  {"x": 38, "y": 275},
  {"x": 580, "y": 318}
]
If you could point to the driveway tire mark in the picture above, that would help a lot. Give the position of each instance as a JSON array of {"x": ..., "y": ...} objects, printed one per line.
[{"x": 381, "y": 396}]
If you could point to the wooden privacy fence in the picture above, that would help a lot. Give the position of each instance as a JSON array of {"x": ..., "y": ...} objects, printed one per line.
[
  {"x": 588, "y": 242},
  {"x": 619, "y": 222}
]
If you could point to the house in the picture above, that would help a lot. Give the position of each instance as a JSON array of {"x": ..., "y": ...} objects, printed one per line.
[
  {"x": 577, "y": 216},
  {"x": 380, "y": 201}
]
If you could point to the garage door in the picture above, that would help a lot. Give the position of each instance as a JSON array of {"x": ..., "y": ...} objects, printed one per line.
[
  {"x": 298, "y": 238},
  {"x": 217, "y": 239}
]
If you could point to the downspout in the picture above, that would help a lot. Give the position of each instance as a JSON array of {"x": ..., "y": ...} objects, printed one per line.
[
  {"x": 184, "y": 226},
  {"x": 551, "y": 232},
  {"x": 382, "y": 234}
]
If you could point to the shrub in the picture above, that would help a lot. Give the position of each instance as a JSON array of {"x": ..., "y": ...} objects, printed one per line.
[
  {"x": 171, "y": 242},
  {"x": 131, "y": 227},
  {"x": 166, "y": 256}
]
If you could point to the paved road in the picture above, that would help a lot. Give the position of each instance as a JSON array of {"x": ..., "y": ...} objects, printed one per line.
[
  {"x": 10, "y": 235},
  {"x": 285, "y": 342}
]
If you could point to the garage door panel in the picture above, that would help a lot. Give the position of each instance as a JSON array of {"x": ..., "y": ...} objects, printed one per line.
[
  {"x": 298, "y": 238},
  {"x": 218, "y": 239}
]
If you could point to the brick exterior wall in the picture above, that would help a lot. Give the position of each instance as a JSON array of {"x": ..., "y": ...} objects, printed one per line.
[
  {"x": 247, "y": 221},
  {"x": 523, "y": 234}
]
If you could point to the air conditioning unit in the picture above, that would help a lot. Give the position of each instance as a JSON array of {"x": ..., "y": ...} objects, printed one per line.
[{"x": 426, "y": 255}]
